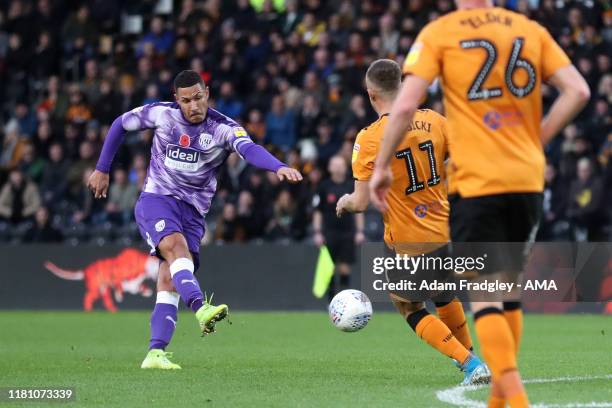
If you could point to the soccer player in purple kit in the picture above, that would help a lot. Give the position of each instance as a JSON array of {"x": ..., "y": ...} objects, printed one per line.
[{"x": 191, "y": 143}]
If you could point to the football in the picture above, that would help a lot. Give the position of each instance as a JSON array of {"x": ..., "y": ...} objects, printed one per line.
[{"x": 350, "y": 310}]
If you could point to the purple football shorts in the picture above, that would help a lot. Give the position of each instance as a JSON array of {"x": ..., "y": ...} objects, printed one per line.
[{"x": 159, "y": 215}]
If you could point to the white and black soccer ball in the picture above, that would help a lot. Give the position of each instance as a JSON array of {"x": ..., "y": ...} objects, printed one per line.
[{"x": 350, "y": 310}]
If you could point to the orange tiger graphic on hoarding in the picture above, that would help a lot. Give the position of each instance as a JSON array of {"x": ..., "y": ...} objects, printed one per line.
[{"x": 108, "y": 277}]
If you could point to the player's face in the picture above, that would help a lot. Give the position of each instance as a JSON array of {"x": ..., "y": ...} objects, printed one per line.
[{"x": 193, "y": 102}]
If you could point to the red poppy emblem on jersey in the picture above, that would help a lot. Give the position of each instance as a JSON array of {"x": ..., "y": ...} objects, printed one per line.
[
  {"x": 184, "y": 140},
  {"x": 331, "y": 198}
]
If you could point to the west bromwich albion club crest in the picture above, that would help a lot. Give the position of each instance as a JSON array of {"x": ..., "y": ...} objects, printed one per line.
[{"x": 204, "y": 140}]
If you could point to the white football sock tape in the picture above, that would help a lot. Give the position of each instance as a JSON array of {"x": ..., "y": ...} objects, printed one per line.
[
  {"x": 181, "y": 264},
  {"x": 170, "y": 298}
]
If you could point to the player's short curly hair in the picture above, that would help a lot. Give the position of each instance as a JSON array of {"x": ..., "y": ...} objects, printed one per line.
[
  {"x": 385, "y": 75},
  {"x": 187, "y": 78}
]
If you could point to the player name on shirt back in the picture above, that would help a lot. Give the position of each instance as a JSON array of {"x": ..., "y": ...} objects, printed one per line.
[
  {"x": 420, "y": 125},
  {"x": 487, "y": 18}
]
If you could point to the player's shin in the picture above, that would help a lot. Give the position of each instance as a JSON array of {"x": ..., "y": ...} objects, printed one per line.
[
  {"x": 186, "y": 283},
  {"x": 514, "y": 317},
  {"x": 453, "y": 316},
  {"x": 437, "y": 335},
  {"x": 498, "y": 349},
  {"x": 163, "y": 319},
  {"x": 496, "y": 398},
  {"x": 496, "y": 341}
]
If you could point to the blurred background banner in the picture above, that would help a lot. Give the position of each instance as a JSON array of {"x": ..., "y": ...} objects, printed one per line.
[{"x": 249, "y": 277}]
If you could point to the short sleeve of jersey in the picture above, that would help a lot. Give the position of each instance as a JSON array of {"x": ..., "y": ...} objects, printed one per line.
[
  {"x": 553, "y": 57},
  {"x": 364, "y": 154},
  {"x": 143, "y": 117},
  {"x": 424, "y": 58},
  {"x": 234, "y": 136}
]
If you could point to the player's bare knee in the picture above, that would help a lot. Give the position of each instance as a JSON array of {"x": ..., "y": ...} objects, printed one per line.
[
  {"x": 478, "y": 306},
  {"x": 407, "y": 308},
  {"x": 412, "y": 307},
  {"x": 174, "y": 246}
]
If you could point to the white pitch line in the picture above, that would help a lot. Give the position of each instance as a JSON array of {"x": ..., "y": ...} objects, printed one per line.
[
  {"x": 456, "y": 395},
  {"x": 563, "y": 379},
  {"x": 591, "y": 404}
]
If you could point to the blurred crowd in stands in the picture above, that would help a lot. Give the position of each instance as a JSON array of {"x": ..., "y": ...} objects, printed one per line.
[{"x": 290, "y": 71}]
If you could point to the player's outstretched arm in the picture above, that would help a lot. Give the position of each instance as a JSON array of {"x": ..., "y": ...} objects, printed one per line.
[
  {"x": 356, "y": 202},
  {"x": 99, "y": 179},
  {"x": 259, "y": 157},
  {"x": 143, "y": 117},
  {"x": 574, "y": 94}
]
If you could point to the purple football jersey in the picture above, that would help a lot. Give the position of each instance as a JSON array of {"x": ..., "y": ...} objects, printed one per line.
[{"x": 185, "y": 157}]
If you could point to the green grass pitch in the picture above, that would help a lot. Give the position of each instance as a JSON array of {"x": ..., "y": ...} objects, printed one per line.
[{"x": 284, "y": 360}]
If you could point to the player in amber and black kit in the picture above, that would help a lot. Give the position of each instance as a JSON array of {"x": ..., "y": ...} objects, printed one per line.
[
  {"x": 339, "y": 234},
  {"x": 417, "y": 219},
  {"x": 492, "y": 63}
]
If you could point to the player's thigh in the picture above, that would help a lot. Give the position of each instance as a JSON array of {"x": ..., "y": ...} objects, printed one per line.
[
  {"x": 158, "y": 217},
  {"x": 481, "y": 228},
  {"x": 194, "y": 229},
  {"x": 478, "y": 219},
  {"x": 526, "y": 212}
]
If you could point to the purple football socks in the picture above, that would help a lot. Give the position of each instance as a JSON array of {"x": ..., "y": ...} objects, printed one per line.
[
  {"x": 163, "y": 319},
  {"x": 186, "y": 283}
]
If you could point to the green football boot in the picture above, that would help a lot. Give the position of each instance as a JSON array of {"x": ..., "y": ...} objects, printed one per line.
[
  {"x": 208, "y": 315},
  {"x": 157, "y": 358}
]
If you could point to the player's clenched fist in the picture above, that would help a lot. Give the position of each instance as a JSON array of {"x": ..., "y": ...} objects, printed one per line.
[
  {"x": 98, "y": 184},
  {"x": 291, "y": 175}
]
